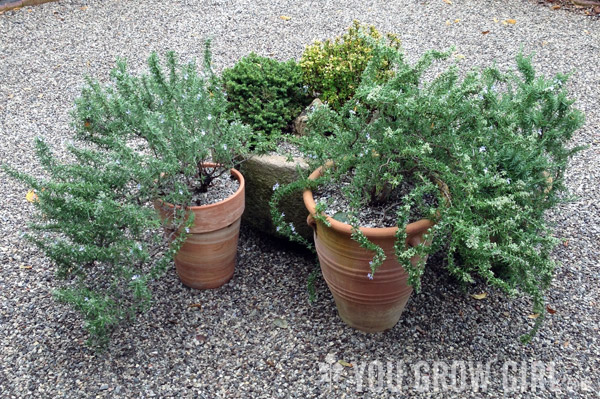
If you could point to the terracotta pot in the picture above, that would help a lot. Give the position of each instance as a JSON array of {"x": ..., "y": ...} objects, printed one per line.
[
  {"x": 367, "y": 305},
  {"x": 207, "y": 257}
]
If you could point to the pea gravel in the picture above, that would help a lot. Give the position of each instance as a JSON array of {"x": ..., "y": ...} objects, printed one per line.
[{"x": 258, "y": 337}]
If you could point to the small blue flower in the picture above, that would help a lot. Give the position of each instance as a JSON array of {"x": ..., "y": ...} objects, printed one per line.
[
  {"x": 187, "y": 229},
  {"x": 482, "y": 148},
  {"x": 292, "y": 228},
  {"x": 370, "y": 276},
  {"x": 135, "y": 277},
  {"x": 128, "y": 112},
  {"x": 275, "y": 186}
]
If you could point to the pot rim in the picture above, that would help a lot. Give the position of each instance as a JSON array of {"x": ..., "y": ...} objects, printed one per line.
[
  {"x": 411, "y": 228},
  {"x": 234, "y": 172}
]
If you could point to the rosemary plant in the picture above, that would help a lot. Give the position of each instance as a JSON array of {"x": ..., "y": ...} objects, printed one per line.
[
  {"x": 498, "y": 140},
  {"x": 139, "y": 139}
]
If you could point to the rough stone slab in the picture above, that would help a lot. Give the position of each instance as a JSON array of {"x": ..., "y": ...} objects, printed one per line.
[{"x": 261, "y": 174}]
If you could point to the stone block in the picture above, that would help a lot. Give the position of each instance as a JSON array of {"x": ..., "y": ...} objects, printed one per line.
[{"x": 261, "y": 174}]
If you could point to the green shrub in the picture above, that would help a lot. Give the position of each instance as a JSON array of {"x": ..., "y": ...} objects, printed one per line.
[
  {"x": 141, "y": 138},
  {"x": 499, "y": 140},
  {"x": 93, "y": 222},
  {"x": 265, "y": 93},
  {"x": 332, "y": 69},
  {"x": 175, "y": 115}
]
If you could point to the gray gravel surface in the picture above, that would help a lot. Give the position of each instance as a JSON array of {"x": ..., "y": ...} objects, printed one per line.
[
  {"x": 337, "y": 204},
  {"x": 222, "y": 187},
  {"x": 258, "y": 337}
]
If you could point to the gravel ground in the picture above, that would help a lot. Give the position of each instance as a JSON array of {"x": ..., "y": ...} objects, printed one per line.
[
  {"x": 258, "y": 337},
  {"x": 222, "y": 187},
  {"x": 374, "y": 215}
]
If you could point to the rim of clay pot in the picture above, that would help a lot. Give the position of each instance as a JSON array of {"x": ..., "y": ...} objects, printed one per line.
[
  {"x": 310, "y": 204},
  {"x": 234, "y": 172}
]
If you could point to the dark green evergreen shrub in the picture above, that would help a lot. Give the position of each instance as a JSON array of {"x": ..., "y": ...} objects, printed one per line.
[{"x": 265, "y": 93}]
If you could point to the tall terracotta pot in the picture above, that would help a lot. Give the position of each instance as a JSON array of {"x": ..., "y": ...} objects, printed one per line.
[
  {"x": 365, "y": 304},
  {"x": 207, "y": 257}
]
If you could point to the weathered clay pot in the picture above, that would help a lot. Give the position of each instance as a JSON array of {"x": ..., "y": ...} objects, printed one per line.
[
  {"x": 367, "y": 305},
  {"x": 207, "y": 257}
]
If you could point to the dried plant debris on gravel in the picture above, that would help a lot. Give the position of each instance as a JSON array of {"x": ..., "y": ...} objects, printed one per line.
[{"x": 588, "y": 8}]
